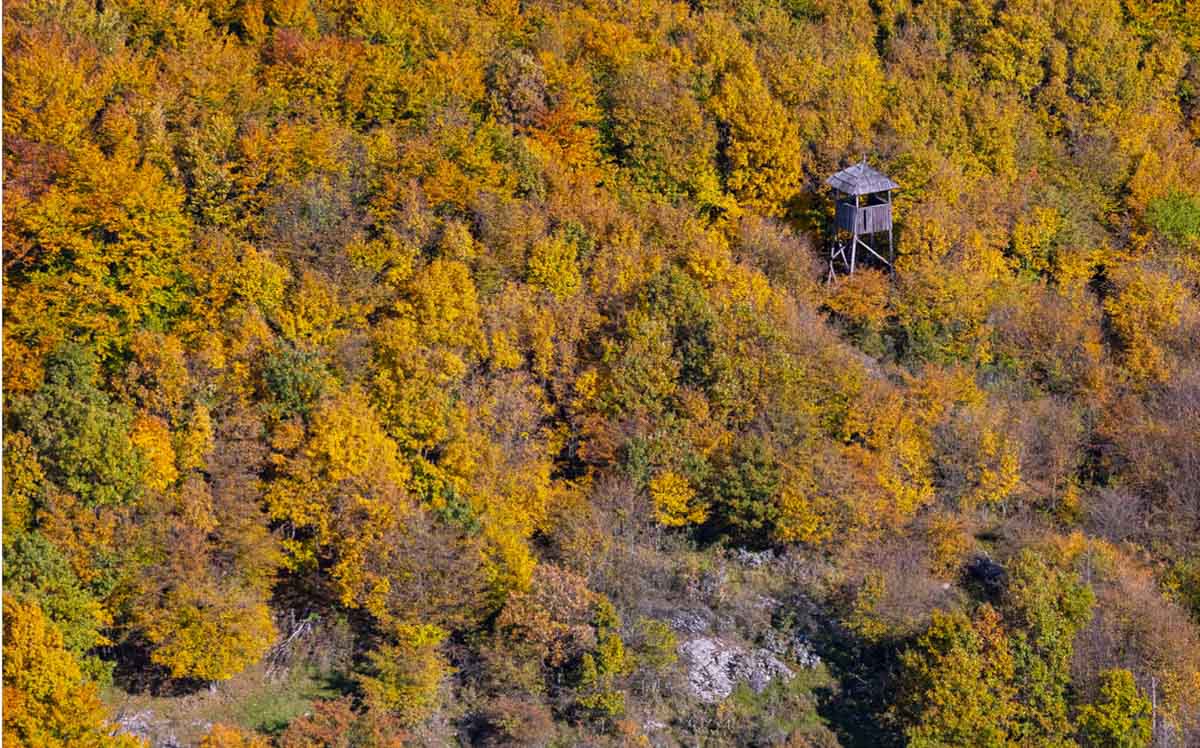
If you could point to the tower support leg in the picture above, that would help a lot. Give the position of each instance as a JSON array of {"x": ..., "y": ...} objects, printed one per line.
[
  {"x": 891, "y": 250},
  {"x": 871, "y": 249}
]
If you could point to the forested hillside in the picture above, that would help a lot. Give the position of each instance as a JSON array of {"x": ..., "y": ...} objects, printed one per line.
[{"x": 385, "y": 372}]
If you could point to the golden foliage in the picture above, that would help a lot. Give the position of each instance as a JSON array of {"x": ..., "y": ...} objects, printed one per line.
[
  {"x": 345, "y": 489},
  {"x": 949, "y": 543},
  {"x": 1146, "y": 306},
  {"x": 153, "y": 438},
  {"x": 861, "y": 298},
  {"x": 408, "y": 673},
  {"x": 47, "y": 701},
  {"x": 228, "y": 736},
  {"x": 199, "y": 637},
  {"x": 395, "y": 311},
  {"x": 675, "y": 503},
  {"x": 552, "y": 266}
]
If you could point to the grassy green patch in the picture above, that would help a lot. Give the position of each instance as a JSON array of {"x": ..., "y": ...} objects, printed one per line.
[
  {"x": 781, "y": 709},
  {"x": 252, "y": 700},
  {"x": 270, "y": 708}
]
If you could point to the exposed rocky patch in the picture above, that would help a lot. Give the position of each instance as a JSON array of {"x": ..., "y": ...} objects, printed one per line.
[
  {"x": 794, "y": 647},
  {"x": 148, "y": 726},
  {"x": 716, "y": 666}
]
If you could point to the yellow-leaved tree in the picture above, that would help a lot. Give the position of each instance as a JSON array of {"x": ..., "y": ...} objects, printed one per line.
[
  {"x": 406, "y": 674},
  {"x": 47, "y": 700},
  {"x": 762, "y": 156},
  {"x": 675, "y": 501},
  {"x": 1142, "y": 313},
  {"x": 341, "y": 496}
]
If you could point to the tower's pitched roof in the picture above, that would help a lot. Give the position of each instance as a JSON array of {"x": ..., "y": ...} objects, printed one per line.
[{"x": 860, "y": 179}]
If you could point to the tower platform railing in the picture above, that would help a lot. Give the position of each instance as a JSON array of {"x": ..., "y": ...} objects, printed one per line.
[{"x": 863, "y": 219}]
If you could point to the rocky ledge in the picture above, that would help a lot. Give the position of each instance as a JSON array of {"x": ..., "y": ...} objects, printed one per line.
[{"x": 716, "y": 666}]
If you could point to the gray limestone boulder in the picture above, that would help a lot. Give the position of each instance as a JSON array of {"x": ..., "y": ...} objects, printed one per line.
[{"x": 716, "y": 666}]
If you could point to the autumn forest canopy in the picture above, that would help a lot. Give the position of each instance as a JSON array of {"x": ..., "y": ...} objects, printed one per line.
[{"x": 382, "y": 372}]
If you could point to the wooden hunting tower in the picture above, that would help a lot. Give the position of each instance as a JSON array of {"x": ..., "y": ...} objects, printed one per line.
[{"x": 863, "y": 211}]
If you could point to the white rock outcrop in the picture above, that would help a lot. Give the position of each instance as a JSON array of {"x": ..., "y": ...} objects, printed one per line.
[{"x": 715, "y": 667}]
